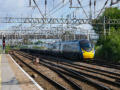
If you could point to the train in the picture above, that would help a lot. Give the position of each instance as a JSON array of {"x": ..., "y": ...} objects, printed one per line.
[{"x": 74, "y": 50}]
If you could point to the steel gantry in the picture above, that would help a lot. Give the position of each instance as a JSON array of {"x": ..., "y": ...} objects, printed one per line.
[{"x": 57, "y": 21}]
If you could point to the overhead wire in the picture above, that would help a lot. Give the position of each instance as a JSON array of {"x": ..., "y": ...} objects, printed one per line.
[
  {"x": 102, "y": 8},
  {"x": 114, "y": 2},
  {"x": 54, "y": 8},
  {"x": 62, "y": 7},
  {"x": 59, "y": 8},
  {"x": 82, "y": 8},
  {"x": 38, "y": 8}
]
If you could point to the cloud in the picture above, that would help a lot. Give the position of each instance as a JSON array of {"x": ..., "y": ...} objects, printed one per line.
[{"x": 13, "y": 7}]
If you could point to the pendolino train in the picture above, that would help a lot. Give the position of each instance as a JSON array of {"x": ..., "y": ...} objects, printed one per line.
[{"x": 75, "y": 50}]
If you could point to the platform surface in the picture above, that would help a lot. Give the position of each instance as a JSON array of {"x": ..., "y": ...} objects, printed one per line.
[{"x": 11, "y": 77}]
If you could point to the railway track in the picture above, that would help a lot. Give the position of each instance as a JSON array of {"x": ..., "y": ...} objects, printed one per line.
[
  {"x": 100, "y": 82},
  {"x": 103, "y": 63},
  {"x": 93, "y": 62},
  {"x": 54, "y": 84},
  {"x": 78, "y": 65},
  {"x": 81, "y": 74},
  {"x": 90, "y": 69},
  {"x": 98, "y": 86},
  {"x": 74, "y": 85}
]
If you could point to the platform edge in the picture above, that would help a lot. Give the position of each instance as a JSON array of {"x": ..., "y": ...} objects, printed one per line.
[{"x": 36, "y": 84}]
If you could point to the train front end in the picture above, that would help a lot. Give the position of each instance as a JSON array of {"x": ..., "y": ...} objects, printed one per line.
[{"x": 87, "y": 49}]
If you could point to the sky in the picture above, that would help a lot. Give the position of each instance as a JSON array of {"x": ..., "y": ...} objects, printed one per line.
[{"x": 20, "y": 8}]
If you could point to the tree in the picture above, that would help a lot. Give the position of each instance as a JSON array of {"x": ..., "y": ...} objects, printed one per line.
[
  {"x": 110, "y": 44},
  {"x": 109, "y": 13},
  {"x": 38, "y": 42},
  {"x": 111, "y": 48}
]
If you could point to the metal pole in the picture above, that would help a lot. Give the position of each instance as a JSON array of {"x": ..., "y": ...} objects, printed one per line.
[
  {"x": 109, "y": 26},
  {"x": 88, "y": 35},
  {"x": 104, "y": 27}
]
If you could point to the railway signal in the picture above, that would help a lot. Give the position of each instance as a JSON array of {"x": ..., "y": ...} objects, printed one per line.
[{"x": 3, "y": 42}]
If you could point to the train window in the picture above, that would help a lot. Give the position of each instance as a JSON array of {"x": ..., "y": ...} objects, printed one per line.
[
  {"x": 86, "y": 45},
  {"x": 71, "y": 47},
  {"x": 66, "y": 47},
  {"x": 75, "y": 47}
]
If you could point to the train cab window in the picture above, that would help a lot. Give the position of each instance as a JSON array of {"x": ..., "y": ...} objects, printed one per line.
[{"x": 86, "y": 45}]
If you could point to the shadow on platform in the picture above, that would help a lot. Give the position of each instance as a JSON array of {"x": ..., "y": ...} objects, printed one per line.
[{"x": 13, "y": 81}]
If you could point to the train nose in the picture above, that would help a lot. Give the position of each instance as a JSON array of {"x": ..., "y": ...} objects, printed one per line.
[{"x": 88, "y": 55}]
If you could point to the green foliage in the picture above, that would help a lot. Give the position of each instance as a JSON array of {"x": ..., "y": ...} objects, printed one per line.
[
  {"x": 38, "y": 42},
  {"x": 110, "y": 50},
  {"x": 36, "y": 47},
  {"x": 7, "y": 49},
  {"x": 0, "y": 49},
  {"x": 98, "y": 51},
  {"x": 109, "y": 44},
  {"x": 112, "y": 13},
  {"x": 109, "y": 13}
]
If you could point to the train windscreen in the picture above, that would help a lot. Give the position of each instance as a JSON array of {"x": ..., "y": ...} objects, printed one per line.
[{"x": 86, "y": 45}]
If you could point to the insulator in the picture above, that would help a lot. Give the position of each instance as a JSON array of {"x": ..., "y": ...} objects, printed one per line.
[
  {"x": 90, "y": 3},
  {"x": 94, "y": 2},
  {"x": 63, "y": 1},
  {"x": 45, "y": 2},
  {"x": 29, "y": 2},
  {"x": 70, "y": 2},
  {"x": 94, "y": 7},
  {"x": 78, "y": 1}
]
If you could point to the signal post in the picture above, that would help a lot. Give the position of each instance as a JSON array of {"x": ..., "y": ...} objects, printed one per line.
[{"x": 3, "y": 43}]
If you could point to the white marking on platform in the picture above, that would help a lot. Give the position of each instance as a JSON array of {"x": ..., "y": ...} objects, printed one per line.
[
  {"x": 0, "y": 72},
  {"x": 36, "y": 84}
]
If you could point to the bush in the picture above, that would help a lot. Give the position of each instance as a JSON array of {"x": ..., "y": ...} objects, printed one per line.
[
  {"x": 110, "y": 49},
  {"x": 98, "y": 51},
  {"x": 7, "y": 49}
]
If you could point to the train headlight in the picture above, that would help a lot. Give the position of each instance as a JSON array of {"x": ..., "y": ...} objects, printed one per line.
[{"x": 83, "y": 51}]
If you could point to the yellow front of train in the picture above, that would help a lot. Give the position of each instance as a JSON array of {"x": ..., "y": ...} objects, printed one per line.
[
  {"x": 88, "y": 54},
  {"x": 87, "y": 49}
]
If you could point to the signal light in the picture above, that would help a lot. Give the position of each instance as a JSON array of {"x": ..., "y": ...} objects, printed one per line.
[{"x": 3, "y": 42}]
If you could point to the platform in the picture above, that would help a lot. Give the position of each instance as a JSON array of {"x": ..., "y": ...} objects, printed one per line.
[{"x": 12, "y": 77}]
